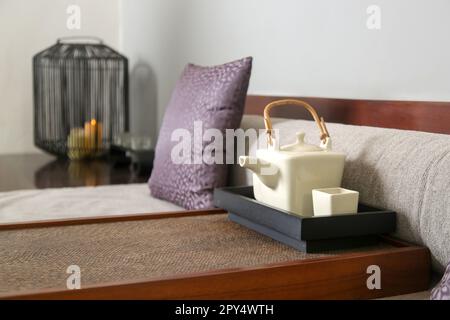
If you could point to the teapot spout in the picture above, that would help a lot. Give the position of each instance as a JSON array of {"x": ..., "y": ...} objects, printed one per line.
[
  {"x": 266, "y": 172},
  {"x": 250, "y": 163}
]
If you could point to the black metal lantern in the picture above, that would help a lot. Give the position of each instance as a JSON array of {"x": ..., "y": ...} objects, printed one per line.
[{"x": 80, "y": 98}]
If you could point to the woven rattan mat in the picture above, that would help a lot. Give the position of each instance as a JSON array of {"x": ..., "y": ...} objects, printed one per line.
[{"x": 128, "y": 251}]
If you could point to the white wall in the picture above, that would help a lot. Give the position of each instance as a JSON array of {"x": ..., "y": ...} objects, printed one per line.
[
  {"x": 300, "y": 47},
  {"x": 27, "y": 27}
]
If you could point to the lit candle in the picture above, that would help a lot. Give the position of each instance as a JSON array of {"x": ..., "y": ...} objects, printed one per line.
[
  {"x": 99, "y": 137},
  {"x": 93, "y": 136}
]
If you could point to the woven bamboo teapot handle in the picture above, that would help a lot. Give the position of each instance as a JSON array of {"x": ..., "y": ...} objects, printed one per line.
[{"x": 268, "y": 123}]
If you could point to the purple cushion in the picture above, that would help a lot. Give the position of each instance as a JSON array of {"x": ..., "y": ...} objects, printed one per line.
[
  {"x": 216, "y": 97},
  {"x": 442, "y": 290}
]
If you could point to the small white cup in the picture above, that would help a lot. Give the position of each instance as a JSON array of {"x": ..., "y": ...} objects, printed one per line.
[{"x": 334, "y": 201}]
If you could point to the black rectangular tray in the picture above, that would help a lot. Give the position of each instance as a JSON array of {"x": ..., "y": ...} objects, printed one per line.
[{"x": 309, "y": 234}]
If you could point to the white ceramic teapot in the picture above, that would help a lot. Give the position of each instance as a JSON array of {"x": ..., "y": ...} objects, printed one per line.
[{"x": 283, "y": 177}]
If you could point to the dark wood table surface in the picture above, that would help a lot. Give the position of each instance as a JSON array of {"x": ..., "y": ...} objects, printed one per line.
[{"x": 37, "y": 171}]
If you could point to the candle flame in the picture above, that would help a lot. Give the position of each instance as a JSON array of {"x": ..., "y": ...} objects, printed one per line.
[{"x": 93, "y": 122}]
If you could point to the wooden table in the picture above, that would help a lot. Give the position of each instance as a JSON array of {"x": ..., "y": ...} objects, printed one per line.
[{"x": 36, "y": 171}]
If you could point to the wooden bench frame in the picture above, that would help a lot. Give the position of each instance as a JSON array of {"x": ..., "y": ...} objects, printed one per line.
[{"x": 405, "y": 269}]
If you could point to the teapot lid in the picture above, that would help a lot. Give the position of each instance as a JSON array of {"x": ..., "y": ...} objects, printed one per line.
[{"x": 300, "y": 145}]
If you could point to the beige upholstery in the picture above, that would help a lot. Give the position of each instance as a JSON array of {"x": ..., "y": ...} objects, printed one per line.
[{"x": 49, "y": 204}]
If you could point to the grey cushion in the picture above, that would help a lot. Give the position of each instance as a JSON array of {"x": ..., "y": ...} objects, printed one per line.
[{"x": 406, "y": 171}]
